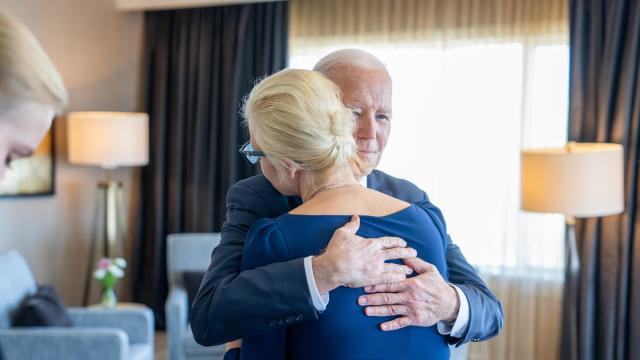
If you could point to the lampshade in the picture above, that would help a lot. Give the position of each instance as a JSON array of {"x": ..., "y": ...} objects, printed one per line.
[
  {"x": 580, "y": 180},
  {"x": 108, "y": 139}
]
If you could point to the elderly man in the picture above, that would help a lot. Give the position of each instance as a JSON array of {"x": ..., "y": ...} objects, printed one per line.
[{"x": 232, "y": 304}]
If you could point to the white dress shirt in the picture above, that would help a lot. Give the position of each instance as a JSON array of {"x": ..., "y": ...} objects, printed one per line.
[{"x": 320, "y": 301}]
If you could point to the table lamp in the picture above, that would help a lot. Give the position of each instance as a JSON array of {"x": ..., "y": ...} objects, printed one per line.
[
  {"x": 579, "y": 180},
  {"x": 108, "y": 140}
]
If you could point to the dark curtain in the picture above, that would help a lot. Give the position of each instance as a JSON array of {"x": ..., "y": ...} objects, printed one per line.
[
  {"x": 605, "y": 107},
  {"x": 199, "y": 64}
]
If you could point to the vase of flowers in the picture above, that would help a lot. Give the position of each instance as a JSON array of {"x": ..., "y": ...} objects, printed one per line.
[{"x": 108, "y": 271}]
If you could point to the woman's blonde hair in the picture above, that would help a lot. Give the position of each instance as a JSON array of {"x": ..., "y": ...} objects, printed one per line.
[
  {"x": 26, "y": 72},
  {"x": 297, "y": 115}
]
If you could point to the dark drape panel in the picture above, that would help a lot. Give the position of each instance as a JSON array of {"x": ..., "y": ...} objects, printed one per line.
[
  {"x": 199, "y": 64},
  {"x": 605, "y": 107}
]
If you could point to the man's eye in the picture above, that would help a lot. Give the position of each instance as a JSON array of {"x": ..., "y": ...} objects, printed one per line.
[
  {"x": 356, "y": 113},
  {"x": 382, "y": 117}
]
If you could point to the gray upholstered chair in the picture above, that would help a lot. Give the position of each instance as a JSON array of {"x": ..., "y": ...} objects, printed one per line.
[
  {"x": 186, "y": 253},
  {"x": 96, "y": 333}
]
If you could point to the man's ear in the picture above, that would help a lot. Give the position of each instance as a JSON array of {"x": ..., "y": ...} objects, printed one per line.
[{"x": 292, "y": 168}]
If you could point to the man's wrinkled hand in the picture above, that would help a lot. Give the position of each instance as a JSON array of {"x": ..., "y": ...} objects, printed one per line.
[
  {"x": 422, "y": 300},
  {"x": 353, "y": 261}
]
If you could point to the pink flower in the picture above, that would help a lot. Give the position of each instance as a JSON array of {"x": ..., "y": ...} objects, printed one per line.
[{"x": 104, "y": 264}]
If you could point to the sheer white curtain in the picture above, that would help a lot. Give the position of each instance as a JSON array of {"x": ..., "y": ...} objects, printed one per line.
[{"x": 471, "y": 89}]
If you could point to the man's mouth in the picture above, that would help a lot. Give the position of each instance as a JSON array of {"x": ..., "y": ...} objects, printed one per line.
[
  {"x": 367, "y": 152},
  {"x": 368, "y": 155}
]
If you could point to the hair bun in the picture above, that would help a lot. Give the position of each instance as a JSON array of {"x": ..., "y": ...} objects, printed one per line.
[
  {"x": 298, "y": 115},
  {"x": 341, "y": 128}
]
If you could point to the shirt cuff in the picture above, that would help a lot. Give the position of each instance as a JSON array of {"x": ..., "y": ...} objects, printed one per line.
[
  {"x": 320, "y": 301},
  {"x": 462, "y": 320}
]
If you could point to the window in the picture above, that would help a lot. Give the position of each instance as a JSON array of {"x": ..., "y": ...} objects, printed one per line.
[{"x": 460, "y": 117}]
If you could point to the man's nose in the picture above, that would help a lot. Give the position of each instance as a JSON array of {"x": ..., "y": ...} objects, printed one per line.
[{"x": 366, "y": 127}]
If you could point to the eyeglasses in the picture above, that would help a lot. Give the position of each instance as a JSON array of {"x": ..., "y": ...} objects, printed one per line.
[{"x": 252, "y": 155}]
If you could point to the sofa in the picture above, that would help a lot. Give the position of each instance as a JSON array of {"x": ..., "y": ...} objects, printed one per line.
[{"x": 95, "y": 334}]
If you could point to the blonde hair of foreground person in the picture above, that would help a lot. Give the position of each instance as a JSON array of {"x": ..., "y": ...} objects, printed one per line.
[
  {"x": 26, "y": 72},
  {"x": 297, "y": 119}
]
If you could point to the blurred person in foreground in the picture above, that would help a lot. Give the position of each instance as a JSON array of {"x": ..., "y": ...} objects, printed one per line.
[{"x": 31, "y": 92}]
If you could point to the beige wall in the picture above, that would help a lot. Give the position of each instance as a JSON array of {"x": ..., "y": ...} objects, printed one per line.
[{"x": 98, "y": 51}]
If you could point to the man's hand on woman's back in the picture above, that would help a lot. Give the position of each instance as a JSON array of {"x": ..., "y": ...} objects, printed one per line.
[
  {"x": 422, "y": 300},
  {"x": 353, "y": 261}
]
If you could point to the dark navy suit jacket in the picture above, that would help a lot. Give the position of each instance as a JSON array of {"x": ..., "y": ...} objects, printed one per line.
[{"x": 232, "y": 304}]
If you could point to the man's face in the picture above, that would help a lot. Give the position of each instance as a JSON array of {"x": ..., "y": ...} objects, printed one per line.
[
  {"x": 368, "y": 94},
  {"x": 21, "y": 130}
]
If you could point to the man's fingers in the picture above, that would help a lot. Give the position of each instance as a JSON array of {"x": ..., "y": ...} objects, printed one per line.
[
  {"x": 400, "y": 269},
  {"x": 389, "y": 242},
  {"x": 353, "y": 225},
  {"x": 399, "y": 253},
  {"x": 392, "y": 276},
  {"x": 385, "y": 288},
  {"x": 382, "y": 299},
  {"x": 396, "y": 324},
  {"x": 418, "y": 265},
  {"x": 386, "y": 310}
]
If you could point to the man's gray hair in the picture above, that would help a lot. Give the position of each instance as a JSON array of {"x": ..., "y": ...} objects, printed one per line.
[{"x": 350, "y": 58}]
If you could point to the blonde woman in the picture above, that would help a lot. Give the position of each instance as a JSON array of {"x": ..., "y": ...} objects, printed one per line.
[
  {"x": 302, "y": 135},
  {"x": 31, "y": 91}
]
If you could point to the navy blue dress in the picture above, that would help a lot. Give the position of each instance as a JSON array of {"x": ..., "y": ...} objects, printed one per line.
[{"x": 343, "y": 331}]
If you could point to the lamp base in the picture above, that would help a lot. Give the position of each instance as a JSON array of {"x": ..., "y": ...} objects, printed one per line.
[
  {"x": 108, "y": 227},
  {"x": 569, "y": 346}
]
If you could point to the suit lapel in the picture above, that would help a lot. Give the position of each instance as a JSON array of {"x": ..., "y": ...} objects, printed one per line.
[{"x": 373, "y": 182}]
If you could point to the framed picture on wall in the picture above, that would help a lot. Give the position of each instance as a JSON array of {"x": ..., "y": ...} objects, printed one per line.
[{"x": 33, "y": 175}]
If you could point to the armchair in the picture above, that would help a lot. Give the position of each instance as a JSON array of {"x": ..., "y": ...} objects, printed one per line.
[
  {"x": 186, "y": 253},
  {"x": 96, "y": 333}
]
